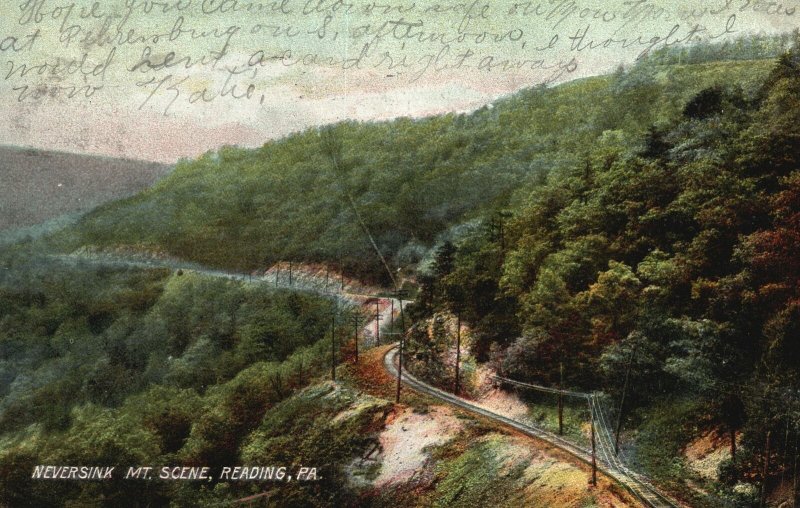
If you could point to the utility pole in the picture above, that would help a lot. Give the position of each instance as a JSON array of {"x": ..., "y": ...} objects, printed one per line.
[
  {"x": 766, "y": 472},
  {"x": 502, "y": 236},
  {"x": 355, "y": 332},
  {"x": 400, "y": 361},
  {"x": 785, "y": 451},
  {"x": 622, "y": 400},
  {"x": 300, "y": 371},
  {"x": 333, "y": 347},
  {"x": 402, "y": 318},
  {"x": 377, "y": 321},
  {"x": 458, "y": 351},
  {"x": 594, "y": 452},
  {"x": 794, "y": 473},
  {"x": 560, "y": 399},
  {"x": 399, "y": 370},
  {"x": 497, "y": 221}
]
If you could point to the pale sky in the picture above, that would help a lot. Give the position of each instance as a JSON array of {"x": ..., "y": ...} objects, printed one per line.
[{"x": 309, "y": 62}]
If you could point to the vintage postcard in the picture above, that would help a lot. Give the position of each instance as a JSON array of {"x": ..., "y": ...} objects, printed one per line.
[{"x": 399, "y": 253}]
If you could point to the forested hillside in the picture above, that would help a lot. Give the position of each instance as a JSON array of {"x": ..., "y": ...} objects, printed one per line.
[
  {"x": 124, "y": 366},
  {"x": 672, "y": 260},
  {"x": 410, "y": 180}
]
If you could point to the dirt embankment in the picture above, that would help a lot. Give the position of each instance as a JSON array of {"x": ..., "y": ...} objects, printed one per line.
[{"x": 705, "y": 454}]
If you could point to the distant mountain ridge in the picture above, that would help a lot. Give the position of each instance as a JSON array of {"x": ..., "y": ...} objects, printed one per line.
[{"x": 41, "y": 185}]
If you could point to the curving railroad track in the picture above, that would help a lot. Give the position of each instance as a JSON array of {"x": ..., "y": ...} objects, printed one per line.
[{"x": 607, "y": 461}]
